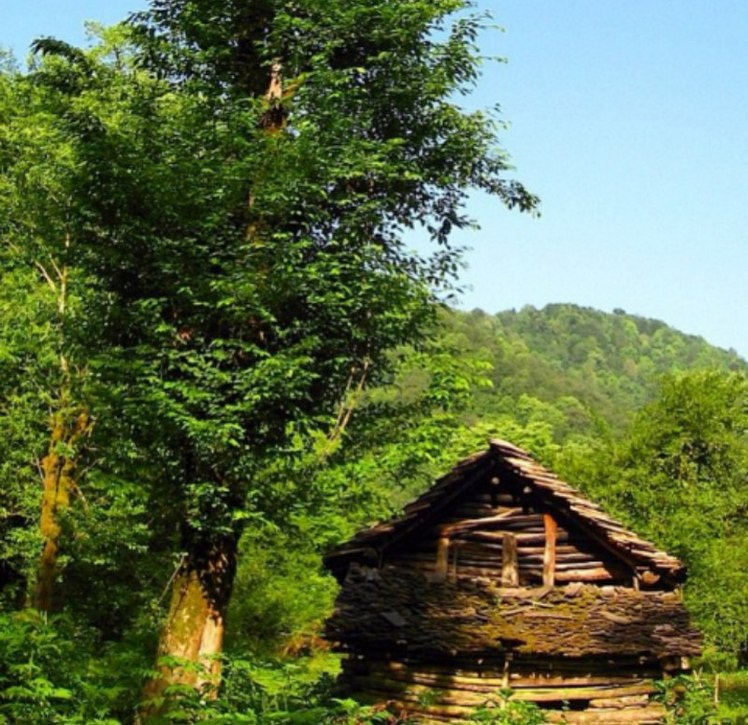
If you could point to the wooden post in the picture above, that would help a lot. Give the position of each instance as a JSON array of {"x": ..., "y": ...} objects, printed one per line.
[
  {"x": 442, "y": 559},
  {"x": 509, "y": 570},
  {"x": 549, "y": 555},
  {"x": 455, "y": 551},
  {"x": 495, "y": 483}
]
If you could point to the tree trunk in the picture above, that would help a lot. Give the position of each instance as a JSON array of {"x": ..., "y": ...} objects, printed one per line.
[
  {"x": 192, "y": 635},
  {"x": 58, "y": 467},
  {"x": 69, "y": 424}
]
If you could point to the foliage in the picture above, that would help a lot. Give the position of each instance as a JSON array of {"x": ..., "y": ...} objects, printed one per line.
[
  {"x": 262, "y": 356},
  {"x": 273, "y": 693},
  {"x": 679, "y": 477},
  {"x": 281, "y": 596},
  {"x": 54, "y": 670},
  {"x": 689, "y": 699},
  {"x": 502, "y": 710},
  {"x": 732, "y": 694}
]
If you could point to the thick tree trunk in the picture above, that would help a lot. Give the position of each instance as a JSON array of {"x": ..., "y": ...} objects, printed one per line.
[
  {"x": 58, "y": 467},
  {"x": 192, "y": 636}
]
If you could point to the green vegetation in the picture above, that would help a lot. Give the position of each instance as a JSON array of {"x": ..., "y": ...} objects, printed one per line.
[
  {"x": 590, "y": 365},
  {"x": 218, "y": 358},
  {"x": 502, "y": 710}
]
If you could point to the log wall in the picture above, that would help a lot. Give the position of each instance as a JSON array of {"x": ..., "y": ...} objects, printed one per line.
[
  {"x": 470, "y": 540},
  {"x": 569, "y": 691}
]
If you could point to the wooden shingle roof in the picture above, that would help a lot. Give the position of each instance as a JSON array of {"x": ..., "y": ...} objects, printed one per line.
[
  {"x": 400, "y": 612},
  {"x": 500, "y": 457}
]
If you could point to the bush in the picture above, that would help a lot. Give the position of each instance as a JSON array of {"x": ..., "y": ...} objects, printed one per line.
[
  {"x": 689, "y": 699},
  {"x": 502, "y": 710}
]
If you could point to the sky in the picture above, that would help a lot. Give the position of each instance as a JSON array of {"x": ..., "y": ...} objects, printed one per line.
[{"x": 628, "y": 119}]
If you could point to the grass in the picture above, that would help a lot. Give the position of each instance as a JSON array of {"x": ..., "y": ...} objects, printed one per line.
[{"x": 733, "y": 697}]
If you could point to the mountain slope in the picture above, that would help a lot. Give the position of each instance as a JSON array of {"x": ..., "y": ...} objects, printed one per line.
[{"x": 609, "y": 362}]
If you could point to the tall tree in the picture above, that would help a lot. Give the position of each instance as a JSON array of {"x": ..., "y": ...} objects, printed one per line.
[
  {"x": 35, "y": 261},
  {"x": 350, "y": 135},
  {"x": 243, "y": 175},
  {"x": 688, "y": 456}
]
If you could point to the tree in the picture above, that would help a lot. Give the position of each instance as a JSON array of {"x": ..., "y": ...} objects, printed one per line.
[
  {"x": 242, "y": 177},
  {"x": 42, "y": 373},
  {"x": 679, "y": 477},
  {"x": 687, "y": 451}
]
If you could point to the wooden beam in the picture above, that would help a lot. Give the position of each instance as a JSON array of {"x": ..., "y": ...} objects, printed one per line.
[
  {"x": 572, "y": 520},
  {"x": 475, "y": 695},
  {"x": 442, "y": 559},
  {"x": 509, "y": 568},
  {"x": 549, "y": 555},
  {"x": 495, "y": 483},
  {"x": 505, "y": 678},
  {"x": 468, "y": 524}
]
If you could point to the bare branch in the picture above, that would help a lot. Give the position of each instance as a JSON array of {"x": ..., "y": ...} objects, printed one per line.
[
  {"x": 347, "y": 408},
  {"x": 46, "y": 276}
]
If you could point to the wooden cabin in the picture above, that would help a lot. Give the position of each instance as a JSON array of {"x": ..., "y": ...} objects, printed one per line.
[{"x": 503, "y": 576}]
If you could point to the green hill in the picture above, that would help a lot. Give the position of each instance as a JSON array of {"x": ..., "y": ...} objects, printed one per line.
[{"x": 609, "y": 362}]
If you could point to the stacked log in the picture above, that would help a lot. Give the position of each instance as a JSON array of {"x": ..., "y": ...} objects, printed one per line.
[
  {"x": 430, "y": 692},
  {"x": 504, "y": 476},
  {"x": 471, "y": 536}
]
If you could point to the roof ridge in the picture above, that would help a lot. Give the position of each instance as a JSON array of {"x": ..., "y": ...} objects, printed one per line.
[{"x": 628, "y": 545}]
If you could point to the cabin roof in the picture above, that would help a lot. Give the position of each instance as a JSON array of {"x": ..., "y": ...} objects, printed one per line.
[
  {"x": 502, "y": 456},
  {"x": 399, "y": 610}
]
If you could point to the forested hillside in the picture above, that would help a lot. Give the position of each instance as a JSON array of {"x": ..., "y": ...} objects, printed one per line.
[
  {"x": 558, "y": 380},
  {"x": 609, "y": 363}
]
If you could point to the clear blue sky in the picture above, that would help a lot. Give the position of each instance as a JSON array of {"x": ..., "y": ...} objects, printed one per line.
[{"x": 629, "y": 119}]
